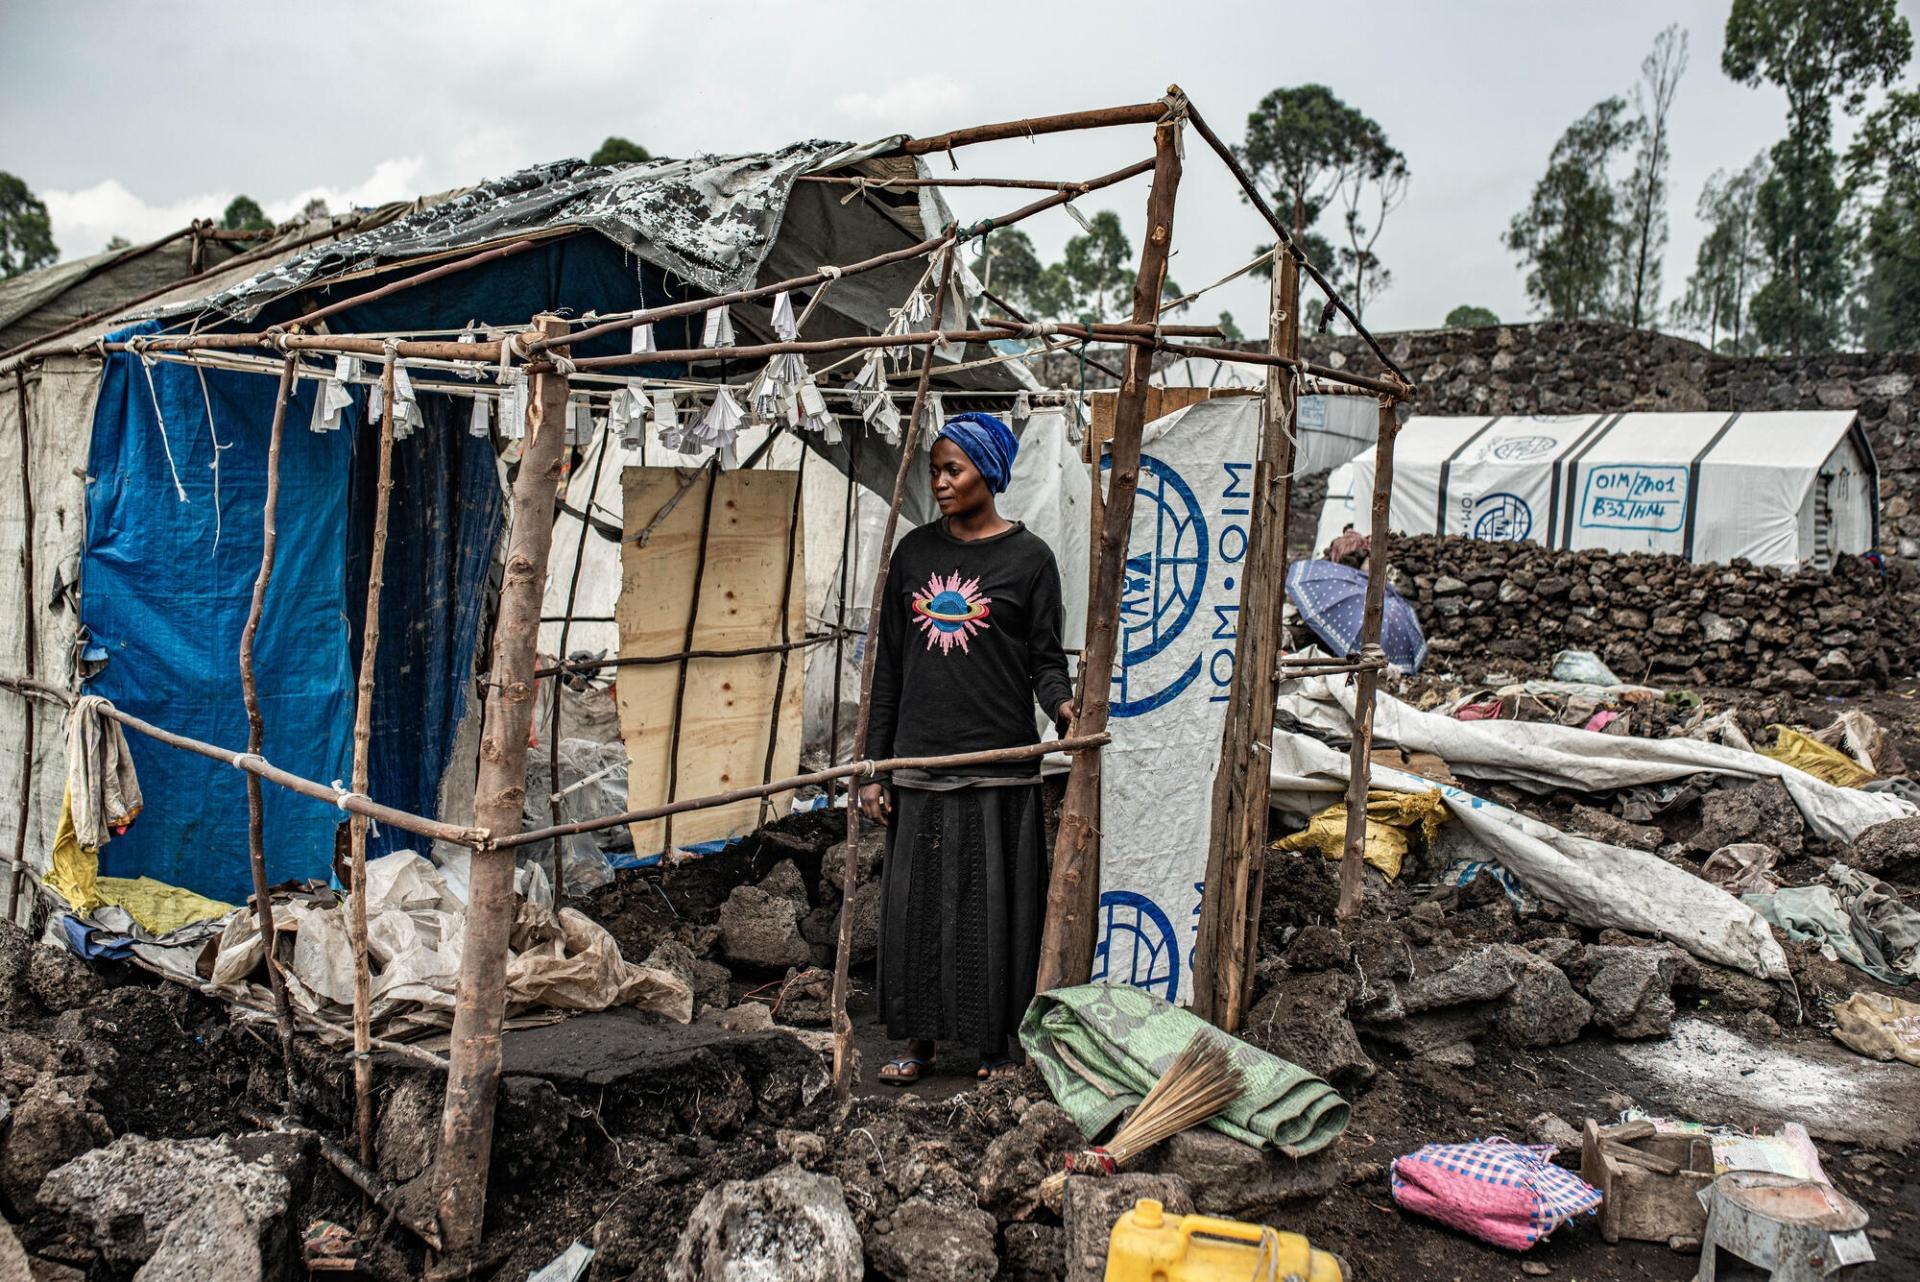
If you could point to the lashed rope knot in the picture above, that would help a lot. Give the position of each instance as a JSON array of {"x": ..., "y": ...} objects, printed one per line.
[
  {"x": 563, "y": 364},
  {"x": 347, "y": 795},
  {"x": 831, "y": 273}
]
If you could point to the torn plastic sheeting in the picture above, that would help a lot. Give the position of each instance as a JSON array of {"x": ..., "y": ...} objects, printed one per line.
[
  {"x": 1391, "y": 819},
  {"x": 1879, "y": 1026},
  {"x": 1596, "y": 884},
  {"x": 1828, "y": 764},
  {"x": 1542, "y": 756},
  {"x": 416, "y": 926}
]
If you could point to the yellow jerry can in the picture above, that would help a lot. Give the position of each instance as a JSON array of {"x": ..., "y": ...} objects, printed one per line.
[{"x": 1149, "y": 1245}]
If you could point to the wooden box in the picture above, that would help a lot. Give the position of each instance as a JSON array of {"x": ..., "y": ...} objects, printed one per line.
[{"x": 1648, "y": 1182}]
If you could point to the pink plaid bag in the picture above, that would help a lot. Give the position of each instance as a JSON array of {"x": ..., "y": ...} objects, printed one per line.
[{"x": 1509, "y": 1194}]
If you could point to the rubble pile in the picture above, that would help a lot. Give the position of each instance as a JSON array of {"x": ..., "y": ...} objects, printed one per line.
[
  {"x": 1508, "y": 607},
  {"x": 1443, "y": 1013}
]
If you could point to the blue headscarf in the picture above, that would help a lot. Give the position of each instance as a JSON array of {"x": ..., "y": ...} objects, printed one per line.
[{"x": 988, "y": 442}]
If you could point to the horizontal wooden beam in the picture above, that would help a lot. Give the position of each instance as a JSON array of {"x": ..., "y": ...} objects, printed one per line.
[{"x": 951, "y": 762}]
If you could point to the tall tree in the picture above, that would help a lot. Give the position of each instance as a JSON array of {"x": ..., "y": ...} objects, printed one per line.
[
  {"x": 1093, "y": 280},
  {"x": 244, "y": 214},
  {"x": 1569, "y": 234},
  {"x": 316, "y": 207},
  {"x": 1008, "y": 265},
  {"x": 1729, "y": 262},
  {"x": 1468, "y": 316},
  {"x": 1819, "y": 52},
  {"x": 1369, "y": 191},
  {"x": 26, "y": 233},
  {"x": 1660, "y": 76},
  {"x": 1305, "y": 148},
  {"x": 618, "y": 151},
  {"x": 1885, "y": 159}
]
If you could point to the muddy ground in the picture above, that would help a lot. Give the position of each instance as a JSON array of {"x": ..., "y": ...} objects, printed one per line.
[{"x": 614, "y": 1126}]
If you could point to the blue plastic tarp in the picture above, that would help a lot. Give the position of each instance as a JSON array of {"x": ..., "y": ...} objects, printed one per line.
[
  {"x": 172, "y": 549},
  {"x": 441, "y": 529}
]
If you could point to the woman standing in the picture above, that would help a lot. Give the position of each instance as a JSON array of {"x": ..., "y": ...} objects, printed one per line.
[{"x": 968, "y": 640}]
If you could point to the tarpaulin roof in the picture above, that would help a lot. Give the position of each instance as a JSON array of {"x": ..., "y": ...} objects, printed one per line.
[{"x": 710, "y": 219}]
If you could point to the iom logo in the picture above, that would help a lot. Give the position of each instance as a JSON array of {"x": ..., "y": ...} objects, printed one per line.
[
  {"x": 1166, "y": 576},
  {"x": 1516, "y": 449},
  {"x": 1136, "y": 945},
  {"x": 1502, "y": 518}
]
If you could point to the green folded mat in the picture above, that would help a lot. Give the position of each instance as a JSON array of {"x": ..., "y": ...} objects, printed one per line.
[{"x": 1101, "y": 1048}]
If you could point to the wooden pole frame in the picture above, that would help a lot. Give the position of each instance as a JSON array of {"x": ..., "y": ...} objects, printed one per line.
[
  {"x": 30, "y": 635},
  {"x": 850, "y": 865},
  {"x": 1230, "y": 907},
  {"x": 473, "y": 1067},
  {"x": 1360, "y": 759},
  {"x": 362, "y": 753},
  {"x": 256, "y": 727},
  {"x": 1073, "y": 891}
]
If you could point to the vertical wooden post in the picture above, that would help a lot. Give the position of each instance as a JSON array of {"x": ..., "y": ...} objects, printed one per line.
[
  {"x": 1236, "y": 849},
  {"x": 29, "y": 633},
  {"x": 850, "y": 866},
  {"x": 1360, "y": 764},
  {"x": 473, "y": 1062},
  {"x": 786, "y": 630},
  {"x": 362, "y": 750},
  {"x": 1073, "y": 891},
  {"x": 256, "y": 724}
]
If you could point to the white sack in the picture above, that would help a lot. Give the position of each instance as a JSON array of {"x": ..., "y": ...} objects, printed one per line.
[
  {"x": 1597, "y": 885},
  {"x": 1536, "y": 754}
]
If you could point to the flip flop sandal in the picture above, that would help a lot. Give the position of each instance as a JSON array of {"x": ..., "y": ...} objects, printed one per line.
[
  {"x": 904, "y": 1070},
  {"x": 991, "y": 1068}
]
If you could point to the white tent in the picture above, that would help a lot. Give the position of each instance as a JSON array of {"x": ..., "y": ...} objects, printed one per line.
[{"x": 1780, "y": 489}]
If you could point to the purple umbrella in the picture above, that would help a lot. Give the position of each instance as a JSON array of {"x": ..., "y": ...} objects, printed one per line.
[{"x": 1332, "y": 598}]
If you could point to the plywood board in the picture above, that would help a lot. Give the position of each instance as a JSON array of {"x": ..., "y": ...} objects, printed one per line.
[{"x": 727, "y": 709}]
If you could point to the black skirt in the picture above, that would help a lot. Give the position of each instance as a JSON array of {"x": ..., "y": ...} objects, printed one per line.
[{"x": 963, "y": 897}]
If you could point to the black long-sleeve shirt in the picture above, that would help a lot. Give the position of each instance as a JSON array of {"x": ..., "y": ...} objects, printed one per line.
[{"x": 969, "y": 638}]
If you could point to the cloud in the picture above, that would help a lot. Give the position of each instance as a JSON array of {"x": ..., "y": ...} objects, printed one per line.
[
  {"x": 394, "y": 179},
  {"x": 86, "y": 219},
  {"x": 918, "y": 100}
]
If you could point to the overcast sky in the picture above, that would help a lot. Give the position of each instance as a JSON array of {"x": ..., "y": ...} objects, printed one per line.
[{"x": 133, "y": 119}]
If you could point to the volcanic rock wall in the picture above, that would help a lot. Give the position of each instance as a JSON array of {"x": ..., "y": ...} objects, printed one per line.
[
  {"x": 1508, "y": 607},
  {"x": 1589, "y": 367}
]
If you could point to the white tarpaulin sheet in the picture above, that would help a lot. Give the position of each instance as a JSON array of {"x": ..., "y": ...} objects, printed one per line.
[
  {"x": 1597, "y": 885},
  {"x": 1540, "y": 755},
  {"x": 1170, "y": 690},
  {"x": 60, "y": 395},
  {"x": 1705, "y": 486}
]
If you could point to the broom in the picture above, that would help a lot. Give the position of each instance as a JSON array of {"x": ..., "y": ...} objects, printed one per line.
[{"x": 1199, "y": 1083}]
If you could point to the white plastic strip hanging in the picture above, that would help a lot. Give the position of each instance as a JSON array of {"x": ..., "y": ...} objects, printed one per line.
[{"x": 719, "y": 329}]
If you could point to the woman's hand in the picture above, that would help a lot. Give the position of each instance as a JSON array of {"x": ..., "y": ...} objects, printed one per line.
[
  {"x": 875, "y": 802},
  {"x": 1063, "y": 717}
]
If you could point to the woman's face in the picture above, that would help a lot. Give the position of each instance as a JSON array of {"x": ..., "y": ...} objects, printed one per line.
[{"x": 958, "y": 487}]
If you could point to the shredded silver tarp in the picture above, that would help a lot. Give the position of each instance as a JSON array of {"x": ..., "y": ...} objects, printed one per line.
[{"x": 710, "y": 220}]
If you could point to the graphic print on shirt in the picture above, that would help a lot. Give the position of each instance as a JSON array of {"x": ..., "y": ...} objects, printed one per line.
[{"x": 951, "y": 610}]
